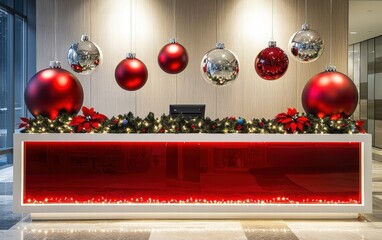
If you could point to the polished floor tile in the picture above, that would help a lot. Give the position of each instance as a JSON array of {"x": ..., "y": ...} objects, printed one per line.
[
  {"x": 262, "y": 230},
  {"x": 73, "y": 230},
  {"x": 11, "y": 235},
  {"x": 7, "y": 217},
  {"x": 338, "y": 230},
  {"x": 204, "y": 230},
  {"x": 6, "y": 174}
]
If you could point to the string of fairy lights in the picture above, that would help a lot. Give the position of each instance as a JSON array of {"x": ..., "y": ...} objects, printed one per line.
[{"x": 128, "y": 123}]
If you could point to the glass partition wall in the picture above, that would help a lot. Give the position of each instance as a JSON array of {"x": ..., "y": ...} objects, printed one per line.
[
  {"x": 17, "y": 30},
  {"x": 365, "y": 68}
]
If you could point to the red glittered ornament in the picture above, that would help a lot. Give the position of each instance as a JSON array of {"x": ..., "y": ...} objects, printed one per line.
[
  {"x": 272, "y": 62},
  {"x": 173, "y": 58},
  {"x": 331, "y": 94},
  {"x": 131, "y": 73},
  {"x": 53, "y": 91}
]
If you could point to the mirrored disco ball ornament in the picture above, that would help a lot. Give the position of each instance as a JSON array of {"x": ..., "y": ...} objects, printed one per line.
[
  {"x": 306, "y": 45},
  {"x": 272, "y": 62},
  {"x": 220, "y": 66},
  {"x": 84, "y": 57}
]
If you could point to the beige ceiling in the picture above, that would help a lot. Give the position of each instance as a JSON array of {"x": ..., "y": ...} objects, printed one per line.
[{"x": 365, "y": 20}]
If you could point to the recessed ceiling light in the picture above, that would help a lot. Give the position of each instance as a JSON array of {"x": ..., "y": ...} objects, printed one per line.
[{"x": 353, "y": 32}]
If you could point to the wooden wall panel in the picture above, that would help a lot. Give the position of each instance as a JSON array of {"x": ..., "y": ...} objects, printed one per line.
[
  {"x": 70, "y": 26},
  {"x": 44, "y": 33},
  {"x": 153, "y": 30},
  {"x": 110, "y": 29},
  {"x": 196, "y": 28},
  {"x": 243, "y": 25}
]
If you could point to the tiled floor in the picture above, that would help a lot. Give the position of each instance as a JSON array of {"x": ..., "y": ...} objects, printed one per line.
[{"x": 369, "y": 226}]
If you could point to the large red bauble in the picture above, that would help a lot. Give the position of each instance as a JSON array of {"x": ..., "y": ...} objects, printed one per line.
[
  {"x": 271, "y": 63},
  {"x": 131, "y": 73},
  {"x": 52, "y": 92},
  {"x": 173, "y": 58},
  {"x": 330, "y": 94}
]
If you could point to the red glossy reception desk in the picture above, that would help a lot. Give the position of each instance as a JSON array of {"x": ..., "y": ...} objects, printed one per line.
[{"x": 191, "y": 175}]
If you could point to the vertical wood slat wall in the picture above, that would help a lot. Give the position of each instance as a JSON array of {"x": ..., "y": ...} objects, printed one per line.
[{"x": 243, "y": 25}]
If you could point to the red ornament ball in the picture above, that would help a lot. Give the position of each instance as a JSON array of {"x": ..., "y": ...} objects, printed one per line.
[
  {"x": 272, "y": 62},
  {"x": 131, "y": 73},
  {"x": 330, "y": 93},
  {"x": 52, "y": 92},
  {"x": 173, "y": 58}
]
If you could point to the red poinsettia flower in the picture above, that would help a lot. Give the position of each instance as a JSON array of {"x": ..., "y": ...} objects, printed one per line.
[
  {"x": 24, "y": 123},
  {"x": 91, "y": 120},
  {"x": 359, "y": 125},
  {"x": 292, "y": 121}
]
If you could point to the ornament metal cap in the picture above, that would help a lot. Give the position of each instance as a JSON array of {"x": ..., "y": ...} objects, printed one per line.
[
  {"x": 130, "y": 55},
  {"x": 220, "y": 45},
  {"x": 55, "y": 64},
  {"x": 173, "y": 40},
  {"x": 305, "y": 27},
  {"x": 272, "y": 43},
  {"x": 84, "y": 38},
  {"x": 330, "y": 68}
]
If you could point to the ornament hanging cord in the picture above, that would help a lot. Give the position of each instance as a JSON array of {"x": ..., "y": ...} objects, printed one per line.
[
  {"x": 306, "y": 11},
  {"x": 131, "y": 26},
  {"x": 55, "y": 30},
  {"x": 174, "y": 17},
  {"x": 175, "y": 36},
  {"x": 272, "y": 21},
  {"x": 90, "y": 32},
  {"x": 216, "y": 90},
  {"x": 84, "y": 17},
  {"x": 216, "y": 14},
  {"x": 330, "y": 32}
]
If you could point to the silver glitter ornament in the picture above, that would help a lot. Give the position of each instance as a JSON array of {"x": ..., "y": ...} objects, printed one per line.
[
  {"x": 220, "y": 66},
  {"x": 84, "y": 57},
  {"x": 306, "y": 45}
]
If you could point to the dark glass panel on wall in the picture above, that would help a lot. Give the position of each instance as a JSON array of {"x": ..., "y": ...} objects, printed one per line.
[
  {"x": 363, "y": 90},
  {"x": 4, "y": 56},
  {"x": 9, "y": 3},
  {"x": 363, "y": 63},
  {"x": 361, "y": 50},
  {"x": 5, "y": 20},
  {"x": 351, "y": 76},
  {"x": 370, "y": 83},
  {"x": 20, "y": 74},
  {"x": 19, "y": 6},
  {"x": 378, "y": 93},
  {"x": 378, "y": 109}
]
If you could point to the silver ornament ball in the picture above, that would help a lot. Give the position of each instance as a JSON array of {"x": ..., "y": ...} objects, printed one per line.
[
  {"x": 306, "y": 45},
  {"x": 84, "y": 57},
  {"x": 220, "y": 66}
]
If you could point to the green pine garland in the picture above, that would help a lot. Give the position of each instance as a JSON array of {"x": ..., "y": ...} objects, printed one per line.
[{"x": 128, "y": 123}]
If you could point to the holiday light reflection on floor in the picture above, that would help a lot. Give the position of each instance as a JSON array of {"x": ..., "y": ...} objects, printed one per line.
[{"x": 275, "y": 200}]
